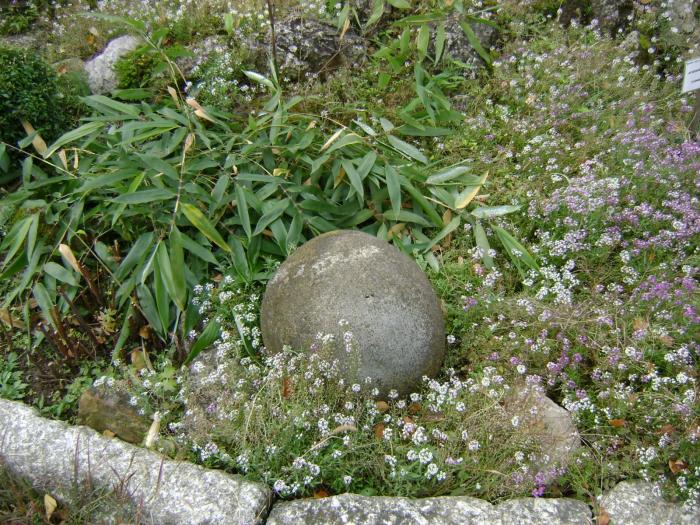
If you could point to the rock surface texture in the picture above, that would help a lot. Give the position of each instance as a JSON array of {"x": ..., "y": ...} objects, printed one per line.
[
  {"x": 387, "y": 301},
  {"x": 634, "y": 503},
  {"x": 55, "y": 457},
  {"x": 309, "y": 47},
  {"x": 102, "y": 78},
  {"x": 363, "y": 510},
  {"x": 457, "y": 44},
  {"x": 108, "y": 409}
]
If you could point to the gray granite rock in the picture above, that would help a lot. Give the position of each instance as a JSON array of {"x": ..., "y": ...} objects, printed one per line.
[
  {"x": 634, "y": 503},
  {"x": 458, "y": 510},
  {"x": 552, "y": 424},
  {"x": 102, "y": 78},
  {"x": 389, "y": 305},
  {"x": 55, "y": 457},
  {"x": 309, "y": 47},
  {"x": 458, "y": 47},
  {"x": 611, "y": 14}
]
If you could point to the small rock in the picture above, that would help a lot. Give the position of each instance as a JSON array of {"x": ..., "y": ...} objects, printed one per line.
[
  {"x": 553, "y": 424},
  {"x": 102, "y": 78},
  {"x": 611, "y": 14},
  {"x": 308, "y": 47},
  {"x": 389, "y": 306},
  {"x": 109, "y": 409},
  {"x": 634, "y": 503},
  {"x": 458, "y": 47}
]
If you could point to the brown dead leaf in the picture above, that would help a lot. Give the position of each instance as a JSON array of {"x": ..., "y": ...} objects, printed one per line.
[
  {"x": 10, "y": 320},
  {"x": 108, "y": 433},
  {"x": 50, "y": 505},
  {"x": 603, "y": 517},
  {"x": 640, "y": 324},
  {"x": 666, "y": 429},
  {"x": 145, "y": 332},
  {"x": 138, "y": 359},
  {"x": 414, "y": 408},
  {"x": 434, "y": 417},
  {"x": 37, "y": 141},
  {"x": 286, "y": 388},
  {"x": 321, "y": 493},
  {"x": 346, "y": 26},
  {"x": 395, "y": 230},
  {"x": 666, "y": 340},
  {"x": 379, "y": 430},
  {"x": 382, "y": 406},
  {"x": 407, "y": 420},
  {"x": 677, "y": 465},
  {"x": 617, "y": 422}
]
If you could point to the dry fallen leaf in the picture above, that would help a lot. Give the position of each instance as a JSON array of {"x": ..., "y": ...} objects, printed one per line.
[
  {"x": 382, "y": 406},
  {"x": 108, "y": 433},
  {"x": 153, "y": 431},
  {"x": 666, "y": 340},
  {"x": 414, "y": 408},
  {"x": 145, "y": 331},
  {"x": 603, "y": 517},
  {"x": 321, "y": 493},
  {"x": 677, "y": 465},
  {"x": 617, "y": 422},
  {"x": 10, "y": 320},
  {"x": 286, "y": 388},
  {"x": 138, "y": 359},
  {"x": 640, "y": 324},
  {"x": 50, "y": 505},
  {"x": 379, "y": 430}
]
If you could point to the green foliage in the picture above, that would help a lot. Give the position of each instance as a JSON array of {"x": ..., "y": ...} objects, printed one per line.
[
  {"x": 11, "y": 384},
  {"x": 134, "y": 70},
  {"x": 17, "y": 17}
]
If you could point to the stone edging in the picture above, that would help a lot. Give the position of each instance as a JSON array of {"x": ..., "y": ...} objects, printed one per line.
[{"x": 55, "y": 456}]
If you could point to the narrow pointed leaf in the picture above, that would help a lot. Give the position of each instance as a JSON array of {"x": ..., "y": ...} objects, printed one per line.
[{"x": 199, "y": 221}]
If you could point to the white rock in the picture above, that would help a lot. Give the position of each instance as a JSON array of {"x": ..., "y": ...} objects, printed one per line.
[
  {"x": 102, "y": 78},
  {"x": 634, "y": 503},
  {"x": 54, "y": 457},
  {"x": 350, "y": 509}
]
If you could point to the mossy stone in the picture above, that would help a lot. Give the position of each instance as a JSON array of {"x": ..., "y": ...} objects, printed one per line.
[{"x": 391, "y": 309}]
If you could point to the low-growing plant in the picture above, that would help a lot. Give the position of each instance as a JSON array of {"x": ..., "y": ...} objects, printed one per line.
[{"x": 11, "y": 384}]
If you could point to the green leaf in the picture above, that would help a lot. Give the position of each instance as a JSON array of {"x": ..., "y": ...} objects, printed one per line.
[
  {"x": 148, "y": 308},
  {"x": 44, "y": 301},
  {"x": 198, "y": 250},
  {"x": 487, "y": 212},
  {"x": 400, "y": 4},
  {"x": 407, "y": 149},
  {"x": 162, "y": 298},
  {"x": 449, "y": 228},
  {"x": 406, "y": 216},
  {"x": 4, "y": 158},
  {"x": 210, "y": 333},
  {"x": 240, "y": 261},
  {"x": 242, "y": 208},
  {"x": 110, "y": 179},
  {"x": 273, "y": 212},
  {"x": 100, "y": 102},
  {"x": 483, "y": 243},
  {"x": 447, "y": 175},
  {"x": 136, "y": 254},
  {"x": 158, "y": 165},
  {"x": 59, "y": 272},
  {"x": 257, "y": 77},
  {"x": 345, "y": 140},
  {"x": 517, "y": 252},
  {"x": 355, "y": 179},
  {"x": 177, "y": 260},
  {"x": 377, "y": 12},
  {"x": 13, "y": 241},
  {"x": 427, "y": 207},
  {"x": 422, "y": 41},
  {"x": 199, "y": 221},
  {"x": 394, "y": 187},
  {"x": 475, "y": 42},
  {"x": 366, "y": 164},
  {"x": 439, "y": 42},
  {"x": 78, "y": 133},
  {"x": 144, "y": 196}
]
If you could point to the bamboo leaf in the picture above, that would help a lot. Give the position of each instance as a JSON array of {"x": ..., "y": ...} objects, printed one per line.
[
  {"x": 59, "y": 272},
  {"x": 439, "y": 42},
  {"x": 487, "y": 212},
  {"x": 517, "y": 252},
  {"x": 407, "y": 216},
  {"x": 407, "y": 149},
  {"x": 199, "y": 221},
  {"x": 44, "y": 301},
  {"x": 475, "y": 42},
  {"x": 449, "y": 228},
  {"x": 272, "y": 213},
  {"x": 144, "y": 196},
  {"x": 483, "y": 243},
  {"x": 242, "y": 208},
  {"x": 422, "y": 41},
  {"x": 355, "y": 179},
  {"x": 394, "y": 187},
  {"x": 447, "y": 175},
  {"x": 177, "y": 260},
  {"x": 210, "y": 333},
  {"x": 78, "y": 133},
  {"x": 400, "y": 4}
]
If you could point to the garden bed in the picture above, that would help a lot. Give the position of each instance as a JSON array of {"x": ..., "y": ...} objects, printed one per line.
[{"x": 542, "y": 175}]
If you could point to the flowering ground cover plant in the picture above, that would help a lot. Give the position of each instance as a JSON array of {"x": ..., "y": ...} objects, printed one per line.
[{"x": 586, "y": 145}]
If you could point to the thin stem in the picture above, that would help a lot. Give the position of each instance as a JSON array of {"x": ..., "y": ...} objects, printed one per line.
[{"x": 273, "y": 38}]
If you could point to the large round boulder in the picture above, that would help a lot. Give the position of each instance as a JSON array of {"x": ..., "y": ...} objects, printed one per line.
[{"x": 349, "y": 281}]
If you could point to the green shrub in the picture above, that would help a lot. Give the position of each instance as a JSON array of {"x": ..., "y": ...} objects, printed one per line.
[
  {"x": 134, "y": 70},
  {"x": 17, "y": 17},
  {"x": 29, "y": 91}
]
